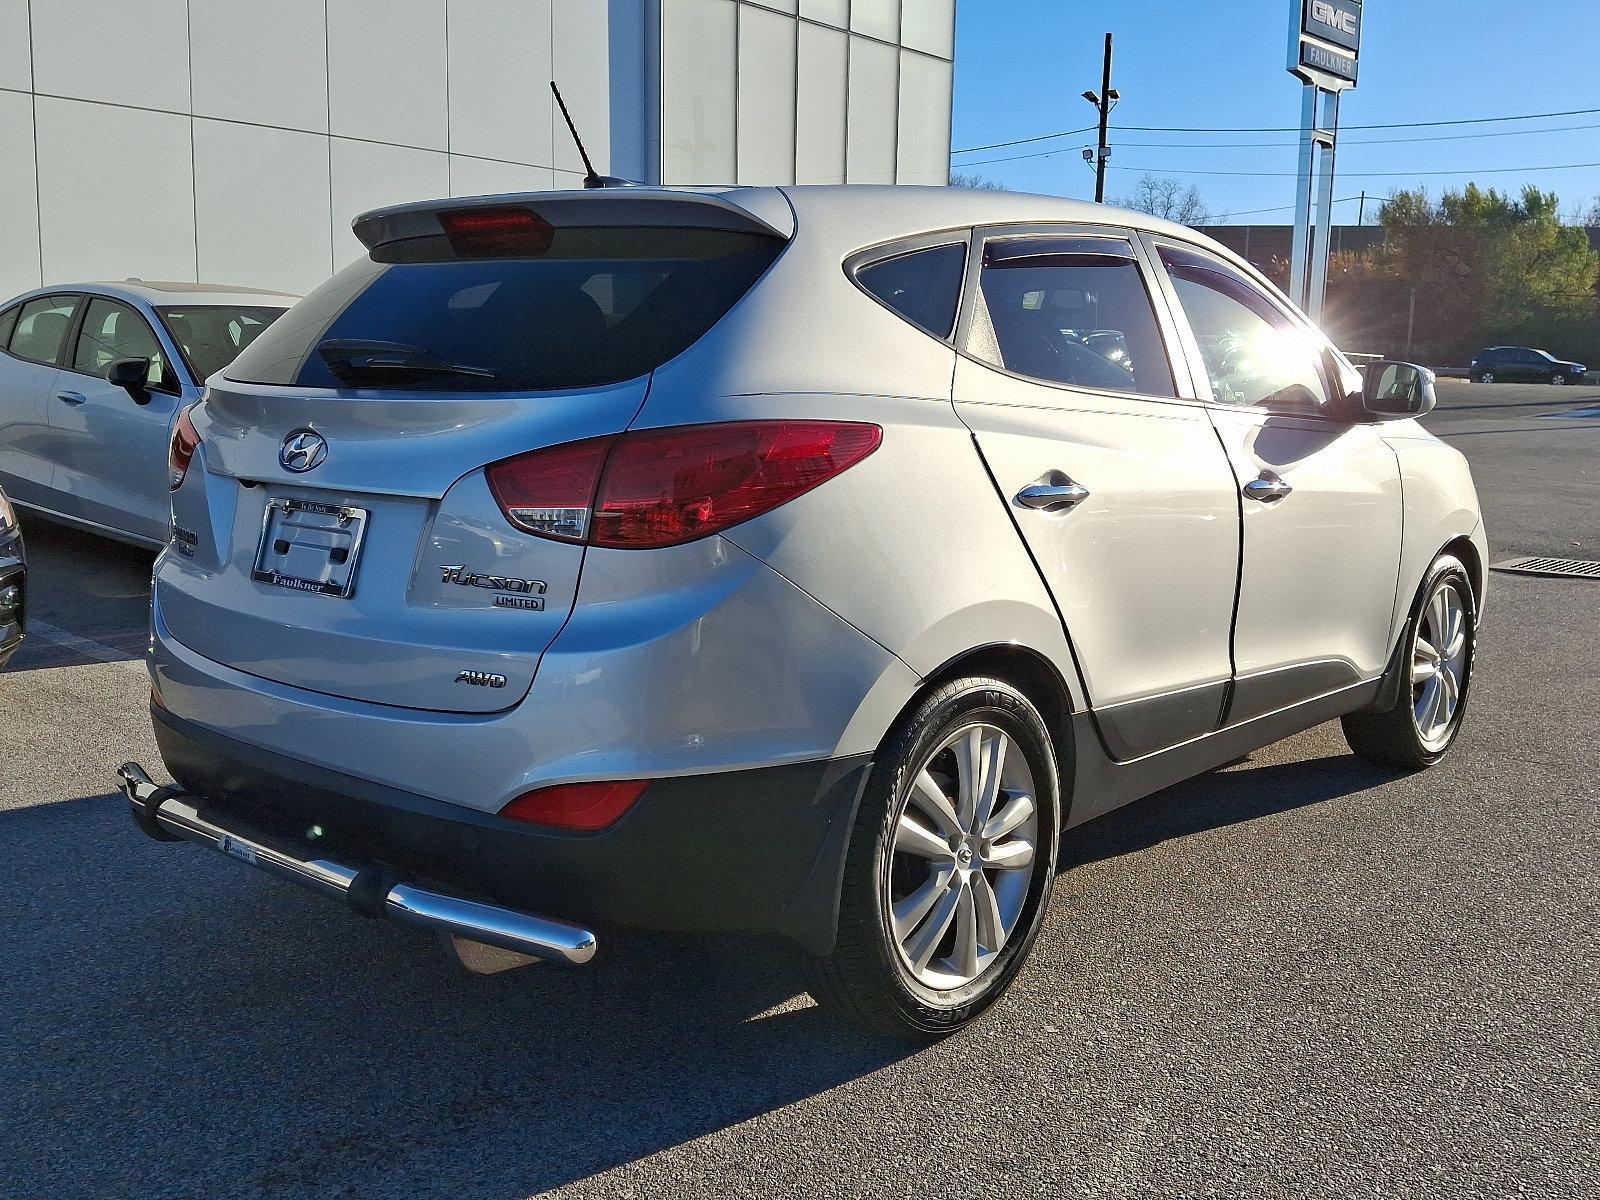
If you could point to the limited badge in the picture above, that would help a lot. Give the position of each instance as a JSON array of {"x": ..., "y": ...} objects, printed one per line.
[{"x": 511, "y": 592}]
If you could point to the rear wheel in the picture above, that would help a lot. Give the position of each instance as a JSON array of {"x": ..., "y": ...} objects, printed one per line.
[
  {"x": 1485, "y": 376},
  {"x": 950, "y": 864},
  {"x": 1441, "y": 640}
]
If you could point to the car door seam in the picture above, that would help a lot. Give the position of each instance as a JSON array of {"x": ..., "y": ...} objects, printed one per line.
[
  {"x": 1226, "y": 709},
  {"x": 1055, "y": 604}
]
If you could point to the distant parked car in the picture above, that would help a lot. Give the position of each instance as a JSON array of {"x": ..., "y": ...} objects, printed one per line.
[
  {"x": 13, "y": 581},
  {"x": 92, "y": 379},
  {"x": 1510, "y": 364}
]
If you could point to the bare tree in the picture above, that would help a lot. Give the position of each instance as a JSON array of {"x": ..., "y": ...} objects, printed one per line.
[
  {"x": 1168, "y": 199},
  {"x": 970, "y": 180},
  {"x": 1591, "y": 215}
]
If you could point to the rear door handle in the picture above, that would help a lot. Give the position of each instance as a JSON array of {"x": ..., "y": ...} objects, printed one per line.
[
  {"x": 72, "y": 398},
  {"x": 1053, "y": 497},
  {"x": 1268, "y": 488}
]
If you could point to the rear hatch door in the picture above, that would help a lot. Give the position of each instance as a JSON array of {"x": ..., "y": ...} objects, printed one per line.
[{"x": 336, "y": 531}]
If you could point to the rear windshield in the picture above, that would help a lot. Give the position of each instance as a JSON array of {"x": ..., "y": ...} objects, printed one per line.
[{"x": 601, "y": 304}]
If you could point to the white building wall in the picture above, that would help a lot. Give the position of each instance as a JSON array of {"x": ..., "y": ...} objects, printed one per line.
[
  {"x": 233, "y": 140},
  {"x": 805, "y": 91}
]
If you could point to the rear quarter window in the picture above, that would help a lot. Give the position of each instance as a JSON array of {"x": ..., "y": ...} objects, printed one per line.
[
  {"x": 923, "y": 286},
  {"x": 599, "y": 305}
]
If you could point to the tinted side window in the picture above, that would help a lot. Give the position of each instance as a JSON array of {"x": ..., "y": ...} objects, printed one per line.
[
  {"x": 923, "y": 286},
  {"x": 112, "y": 331},
  {"x": 1254, "y": 354},
  {"x": 8, "y": 321},
  {"x": 41, "y": 328},
  {"x": 1073, "y": 311}
]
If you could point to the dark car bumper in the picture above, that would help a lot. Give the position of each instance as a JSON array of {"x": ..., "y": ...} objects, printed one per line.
[
  {"x": 757, "y": 851},
  {"x": 13, "y": 604}
]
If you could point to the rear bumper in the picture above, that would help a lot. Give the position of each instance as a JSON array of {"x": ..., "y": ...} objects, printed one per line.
[
  {"x": 167, "y": 814},
  {"x": 752, "y": 851}
]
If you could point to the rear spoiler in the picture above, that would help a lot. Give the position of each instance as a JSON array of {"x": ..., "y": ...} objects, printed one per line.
[{"x": 633, "y": 206}]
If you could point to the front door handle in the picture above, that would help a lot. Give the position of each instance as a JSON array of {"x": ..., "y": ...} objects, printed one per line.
[
  {"x": 1268, "y": 488},
  {"x": 72, "y": 398},
  {"x": 1053, "y": 497}
]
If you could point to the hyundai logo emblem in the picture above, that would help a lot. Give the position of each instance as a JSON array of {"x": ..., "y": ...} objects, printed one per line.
[{"x": 302, "y": 450}]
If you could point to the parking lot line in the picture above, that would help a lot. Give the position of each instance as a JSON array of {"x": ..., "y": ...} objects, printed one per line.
[{"x": 85, "y": 647}]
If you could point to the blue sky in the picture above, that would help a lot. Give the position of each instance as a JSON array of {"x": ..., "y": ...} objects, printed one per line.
[{"x": 1021, "y": 66}]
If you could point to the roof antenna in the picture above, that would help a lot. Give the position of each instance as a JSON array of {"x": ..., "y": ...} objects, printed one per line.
[{"x": 591, "y": 178}]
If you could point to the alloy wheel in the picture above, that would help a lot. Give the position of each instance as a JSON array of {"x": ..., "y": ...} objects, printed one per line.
[
  {"x": 962, "y": 857},
  {"x": 1439, "y": 665},
  {"x": 1486, "y": 377}
]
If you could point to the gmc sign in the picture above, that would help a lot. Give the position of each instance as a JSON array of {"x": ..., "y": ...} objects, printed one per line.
[{"x": 1335, "y": 21}]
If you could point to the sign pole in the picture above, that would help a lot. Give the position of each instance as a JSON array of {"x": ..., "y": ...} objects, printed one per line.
[
  {"x": 1324, "y": 50},
  {"x": 1300, "y": 257},
  {"x": 1324, "y": 236}
]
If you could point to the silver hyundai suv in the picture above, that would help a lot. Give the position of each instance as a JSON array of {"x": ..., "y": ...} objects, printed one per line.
[{"x": 789, "y": 561}]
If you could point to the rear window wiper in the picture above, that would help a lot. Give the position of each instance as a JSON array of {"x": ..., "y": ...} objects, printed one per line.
[{"x": 355, "y": 361}]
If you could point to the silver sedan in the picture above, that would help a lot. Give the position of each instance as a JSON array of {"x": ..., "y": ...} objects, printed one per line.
[{"x": 92, "y": 379}]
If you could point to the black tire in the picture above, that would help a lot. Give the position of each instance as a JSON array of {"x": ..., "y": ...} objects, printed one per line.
[
  {"x": 1486, "y": 377},
  {"x": 1558, "y": 379},
  {"x": 1391, "y": 738},
  {"x": 865, "y": 980}
]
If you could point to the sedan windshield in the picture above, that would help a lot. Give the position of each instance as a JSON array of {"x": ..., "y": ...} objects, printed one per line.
[{"x": 212, "y": 335}]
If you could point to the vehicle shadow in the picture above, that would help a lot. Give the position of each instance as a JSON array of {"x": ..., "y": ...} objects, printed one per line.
[
  {"x": 1231, "y": 795},
  {"x": 178, "y": 1025},
  {"x": 88, "y": 597},
  {"x": 221, "y": 1033}
]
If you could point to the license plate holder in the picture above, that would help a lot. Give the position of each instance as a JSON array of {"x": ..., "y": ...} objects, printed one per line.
[{"x": 310, "y": 547}]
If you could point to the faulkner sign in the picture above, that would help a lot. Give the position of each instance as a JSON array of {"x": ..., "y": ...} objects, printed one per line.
[{"x": 1328, "y": 42}]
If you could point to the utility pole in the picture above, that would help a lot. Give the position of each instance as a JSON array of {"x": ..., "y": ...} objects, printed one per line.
[{"x": 1105, "y": 101}]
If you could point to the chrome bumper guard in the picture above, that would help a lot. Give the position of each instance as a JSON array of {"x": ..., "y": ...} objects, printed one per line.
[{"x": 169, "y": 814}]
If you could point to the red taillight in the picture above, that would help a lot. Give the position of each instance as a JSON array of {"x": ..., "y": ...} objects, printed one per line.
[
  {"x": 185, "y": 441},
  {"x": 581, "y": 807},
  {"x": 550, "y": 492},
  {"x": 493, "y": 232},
  {"x": 661, "y": 487}
]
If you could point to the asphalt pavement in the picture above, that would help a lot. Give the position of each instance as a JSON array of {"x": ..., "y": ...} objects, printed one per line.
[{"x": 1295, "y": 976}]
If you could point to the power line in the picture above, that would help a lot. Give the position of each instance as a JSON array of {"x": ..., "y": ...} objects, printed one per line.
[
  {"x": 1285, "y": 208},
  {"x": 1044, "y": 137},
  {"x": 1369, "y": 174},
  {"x": 1448, "y": 137},
  {"x": 1453, "y": 137},
  {"x": 1573, "y": 112},
  {"x": 979, "y": 162}
]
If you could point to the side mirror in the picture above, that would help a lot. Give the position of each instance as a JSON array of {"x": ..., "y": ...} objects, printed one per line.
[
  {"x": 131, "y": 374},
  {"x": 1393, "y": 391}
]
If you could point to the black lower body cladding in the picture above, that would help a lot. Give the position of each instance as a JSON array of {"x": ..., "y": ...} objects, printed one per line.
[{"x": 756, "y": 851}]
